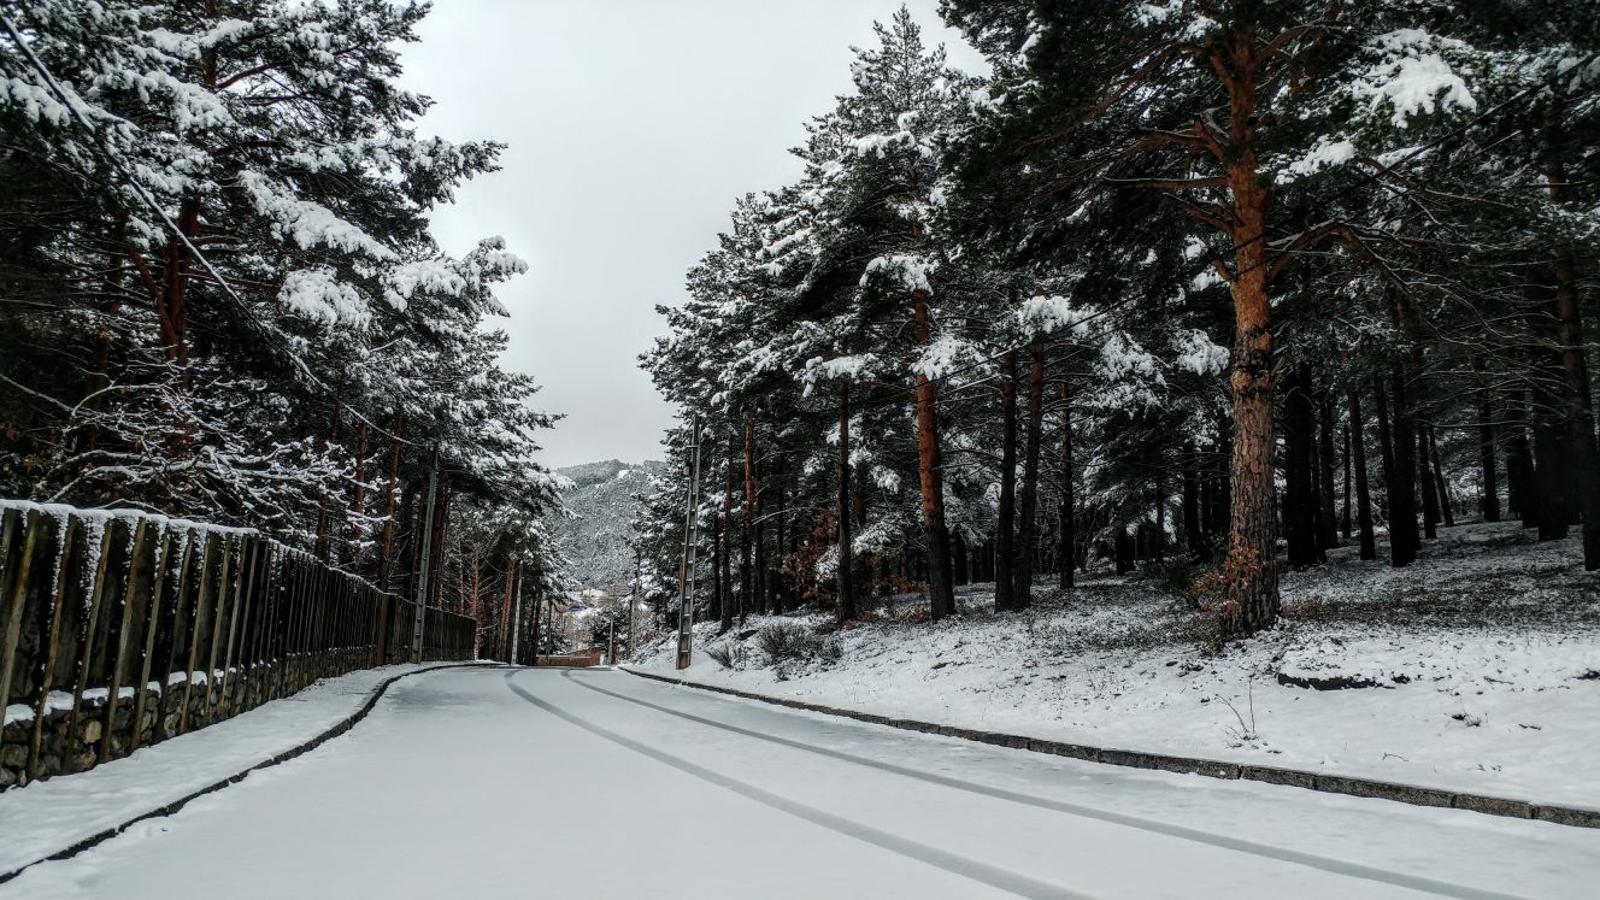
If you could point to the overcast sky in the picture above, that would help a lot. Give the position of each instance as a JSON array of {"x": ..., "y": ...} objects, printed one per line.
[{"x": 632, "y": 125}]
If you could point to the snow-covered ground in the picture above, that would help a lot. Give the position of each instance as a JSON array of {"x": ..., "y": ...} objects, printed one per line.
[
  {"x": 521, "y": 783},
  {"x": 1482, "y": 662},
  {"x": 55, "y": 813}
]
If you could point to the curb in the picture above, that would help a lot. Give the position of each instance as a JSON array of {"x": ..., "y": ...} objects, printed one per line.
[
  {"x": 1211, "y": 768},
  {"x": 302, "y": 748}
]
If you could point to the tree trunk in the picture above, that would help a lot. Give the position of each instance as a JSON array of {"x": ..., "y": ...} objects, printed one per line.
[
  {"x": 1123, "y": 547},
  {"x": 1428, "y": 485},
  {"x": 1027, "y": 535},
  {"x": 1401, "y": 478},
  {"x": 1358, "y": 451},
  {"x": 1446, "y": 514},
  {"x": 358, "y": 494},
  {"x": 1251, "y": 573},
  {"x": 779, "y": 598},
  {"x": 725, "y": 576},
  {"x": 1345, "y": 512},
  {"x": 1192, "y": 539},
  {"x": 1521, "y": 491},
  {"x": 847, "y": 592},
  {"x": 324, "y": 526},
  {"x": 1005, "y": 527},
  {"x": 1328, "y": 522},
  {"x": 747, "y": 581},
  {"x": 1488, "y": 477},
  {"x": 1300, "y": 497},
  {"x": 930, "y": 476},
  {"x": 386, "y": 564},
  {"x": 1064, "y": 513},
  {"x": 1577, "y": 401}
]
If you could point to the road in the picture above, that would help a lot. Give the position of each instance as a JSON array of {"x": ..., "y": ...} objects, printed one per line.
[{"x": 594, "y": 783}]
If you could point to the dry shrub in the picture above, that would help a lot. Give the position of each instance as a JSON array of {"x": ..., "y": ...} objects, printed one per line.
[{"x": 1312, "y": 607}]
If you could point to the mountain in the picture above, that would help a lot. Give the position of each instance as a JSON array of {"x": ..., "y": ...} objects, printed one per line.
[{"x": 601, "y": 500}]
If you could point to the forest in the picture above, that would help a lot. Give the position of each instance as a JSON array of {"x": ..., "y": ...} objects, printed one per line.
[
  {"x": 219, "y": 298},
  {"x": 1211, "y": 286}
]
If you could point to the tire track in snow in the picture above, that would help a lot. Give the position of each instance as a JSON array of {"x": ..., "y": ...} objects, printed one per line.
[
  {"x": 1282, "y": 854},
  {"x": 984, "y": 873}
]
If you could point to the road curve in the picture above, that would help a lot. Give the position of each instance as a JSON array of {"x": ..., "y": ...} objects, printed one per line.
[{"x": 497, "y": 783}]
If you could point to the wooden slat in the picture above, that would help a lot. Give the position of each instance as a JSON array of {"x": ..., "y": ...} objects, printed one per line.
[
  {"x": 16, "y": 592},
  {"x": 86, "y": 641},
  {"x": 52, "y": 640},
  {"x": 240, "y": 586},
  {"x": 219, "y": 612},
  {"x": 202, "y": 614},
  {"x": 158, "y": 580},
  {"x": 178, "y": 624},
  {"x": 130, "y": 597}
]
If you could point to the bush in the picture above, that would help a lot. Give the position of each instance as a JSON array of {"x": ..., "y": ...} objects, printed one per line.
[
  {"x": 728, "y": 654},
  {"x": 782, "y": 641}
]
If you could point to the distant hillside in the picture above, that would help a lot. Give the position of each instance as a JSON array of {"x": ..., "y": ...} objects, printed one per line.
[{"x": 602, "y": 502}]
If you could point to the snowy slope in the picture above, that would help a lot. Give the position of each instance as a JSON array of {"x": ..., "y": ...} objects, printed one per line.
[
  {"x": 1476, "y": 669},
  {"x": 602, "y": 503}
]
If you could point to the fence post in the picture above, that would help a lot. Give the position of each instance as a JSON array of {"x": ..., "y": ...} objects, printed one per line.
[
  {"x": 158, "y": 578},
  {"x": 16, "y": 591},
  {"x": 204, "y": 613},
  {"x": 52, "y": 639},
  {"x": 130, "y": 595}
]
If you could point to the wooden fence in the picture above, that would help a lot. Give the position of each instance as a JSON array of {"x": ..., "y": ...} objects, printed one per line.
[{"x": 119, "y": 629}]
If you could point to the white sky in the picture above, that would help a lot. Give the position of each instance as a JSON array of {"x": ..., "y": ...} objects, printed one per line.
[{"x": 632, "y": 125}]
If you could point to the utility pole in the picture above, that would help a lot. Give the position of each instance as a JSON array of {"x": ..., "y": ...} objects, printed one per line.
[
  {"x": 427, "y": 558},
  {"x": 611, "y": 641},
  {"x": 686, "y": 586}
]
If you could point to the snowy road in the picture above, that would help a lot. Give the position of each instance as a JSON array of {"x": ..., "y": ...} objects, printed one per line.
[{"x": 510, "y": 783}]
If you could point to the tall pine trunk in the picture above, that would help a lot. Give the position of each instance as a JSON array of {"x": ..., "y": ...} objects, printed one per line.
[
  {"x": 847, "y": 592},
  {"x": 1064, "y": 513},
  {"x": 1447, "y": 514},
  {"x": 1358, "y": 454},
  {"x": 725, "y": 575},
  {"x": 1250, "y": 570},
  {"x": 1488, "y": 476},
  {"x": 747, "y": 575},
  {"x": 930, "y": 475},
  {"x": 1005, "y": 527},
  {"x": 1401, "y": 477},
  {"x": 1577, "y": 401},
  {"x": 1428, "y": 484},
  {"x": 386, "y": 563},
  {"x": 1327, "y": 523},
  {"x": 1027, "y": 534},
  {"x": 1300, "y": 496}
]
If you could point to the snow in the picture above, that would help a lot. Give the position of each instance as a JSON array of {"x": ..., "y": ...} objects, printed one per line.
[
  {"x": 1507, "y": 706},
  {"x": 912, "y": 272},
  {"x": 49, "y": 815},
  {"x": 1326, "y": 154},
  {"x": 319, "y": 296},
  {"x": 307, "y": 223},
  {"x": 1413, "y": 78},
  {"x": 449, "y": 766},
  {"x": 1198, "y": 354}
]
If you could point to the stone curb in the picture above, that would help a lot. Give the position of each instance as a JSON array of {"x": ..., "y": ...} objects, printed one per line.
[
  {"x": 1211, "y": 768},
  {"x": 307, "y": 746}
]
